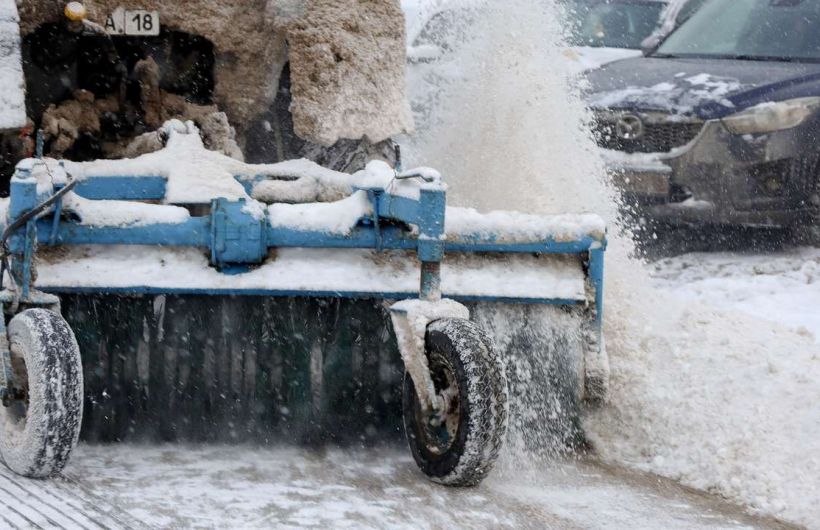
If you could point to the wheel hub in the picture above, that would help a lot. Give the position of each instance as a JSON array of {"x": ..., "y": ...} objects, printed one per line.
[{"x": 440, "y": 425}]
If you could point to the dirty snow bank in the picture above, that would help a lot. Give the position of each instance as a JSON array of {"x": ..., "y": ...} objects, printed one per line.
[
  {"x": 715, "y": 398},
  {"x": 12, "y": 85}
]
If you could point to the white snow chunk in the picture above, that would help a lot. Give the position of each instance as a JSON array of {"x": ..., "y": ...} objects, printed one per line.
[
  {"x": 338, "y": 217},
  {"x": 649, "y": 162},
  {"x": 299, "y": 181},
  {"x": 12, "y": 83},
  {"x": 520, "y": 227},
  {"x": 122, "y": 213}
]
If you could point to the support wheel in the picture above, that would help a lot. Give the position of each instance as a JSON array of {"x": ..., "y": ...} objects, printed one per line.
[
  {"x": 459, "y": 446},
  {"x": 39, "y": 430}
]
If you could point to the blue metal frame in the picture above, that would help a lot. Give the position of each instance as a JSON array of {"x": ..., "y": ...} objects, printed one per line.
[{"x": 235, "y": 238}]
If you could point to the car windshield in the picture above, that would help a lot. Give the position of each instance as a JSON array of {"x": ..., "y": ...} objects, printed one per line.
[
  {"x": 749, "y": 29},
  {"x": 613, "y": 24}
]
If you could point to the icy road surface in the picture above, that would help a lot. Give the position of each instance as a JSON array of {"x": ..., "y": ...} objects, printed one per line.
[{"x": 245, "y": 487}]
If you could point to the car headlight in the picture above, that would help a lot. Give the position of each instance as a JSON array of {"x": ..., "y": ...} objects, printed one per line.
[{"x": 772, "y": 116}]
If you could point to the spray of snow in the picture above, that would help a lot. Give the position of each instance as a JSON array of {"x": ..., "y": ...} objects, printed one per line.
[{"x": 719, "y": 400}]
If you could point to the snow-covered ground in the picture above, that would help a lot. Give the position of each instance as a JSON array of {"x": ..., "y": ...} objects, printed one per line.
[
  {"x": 721, "y": 390},
  {"x": 781, "y": 287},
  {"x": 247, "y": 487}
]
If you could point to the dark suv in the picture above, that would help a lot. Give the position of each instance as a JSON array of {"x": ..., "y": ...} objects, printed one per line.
[{"x": 720, "y": 122}]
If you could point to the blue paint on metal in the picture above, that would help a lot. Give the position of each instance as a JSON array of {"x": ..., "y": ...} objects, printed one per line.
[
  {"x": 237, "y": 240},
  {"x": 236, "y": 235},
  {"x": 596, "y": 278},
  {"x": 55, "y": 224},
  {"x": 374, "y": 196},
  {"x": 195, "y": 232},
  {"x": 476, "y": 243},
  {"x": 145, "y": 188}
]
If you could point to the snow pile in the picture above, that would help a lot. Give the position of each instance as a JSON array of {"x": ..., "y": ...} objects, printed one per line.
[
  {"x": 717, "y": 399},
  {"x": 195, "y": 175},
  {"x": 782, "y": 287},
  {"x": 12, "y": 84}
]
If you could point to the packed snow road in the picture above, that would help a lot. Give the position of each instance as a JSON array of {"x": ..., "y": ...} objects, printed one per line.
[{"x": 125, "y": 486}]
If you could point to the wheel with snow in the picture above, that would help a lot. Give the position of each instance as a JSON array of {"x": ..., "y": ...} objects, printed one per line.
[
  {"x": 41, "y": 424},
  {"x": 458, "y": 446}
]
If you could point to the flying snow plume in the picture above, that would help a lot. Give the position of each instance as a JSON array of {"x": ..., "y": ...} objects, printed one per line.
[
  {"x": 507, "y": 133},
  {"x": 718, "y": 400}
]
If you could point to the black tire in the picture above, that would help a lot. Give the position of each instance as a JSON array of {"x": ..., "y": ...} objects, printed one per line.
[
  {"x": 461, "y": 450},
  {"x": 37, "y": 434}
]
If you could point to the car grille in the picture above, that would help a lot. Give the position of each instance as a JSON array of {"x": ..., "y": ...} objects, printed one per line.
[{"x": 658, "y": 136}]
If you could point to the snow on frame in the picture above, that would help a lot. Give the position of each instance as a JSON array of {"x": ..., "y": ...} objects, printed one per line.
[
  {"x": 306, "y": 196},
  {"x": 312, "y": 270},
  {"x": 12, "y": 84}
]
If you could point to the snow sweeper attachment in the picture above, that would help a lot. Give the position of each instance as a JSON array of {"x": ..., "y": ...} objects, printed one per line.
[{"x": 187, "y": 220}]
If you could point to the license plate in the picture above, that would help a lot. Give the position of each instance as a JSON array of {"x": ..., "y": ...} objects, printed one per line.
[{"x": 137, "y": 22}]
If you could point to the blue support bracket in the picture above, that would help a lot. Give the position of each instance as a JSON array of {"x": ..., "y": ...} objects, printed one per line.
[{"x": 237, "y": 236}]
